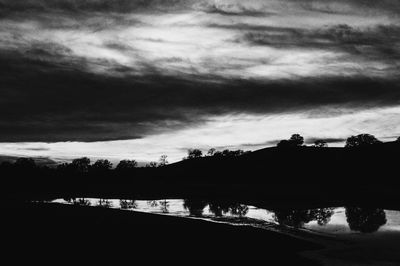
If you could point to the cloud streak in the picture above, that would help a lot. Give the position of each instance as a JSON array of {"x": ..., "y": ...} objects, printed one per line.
[{"x": 60, "y": 102}]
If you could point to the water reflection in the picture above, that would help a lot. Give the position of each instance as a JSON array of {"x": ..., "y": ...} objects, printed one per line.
[
  {"x": 152, "y": 203},
  {"x": 127, "y": 204},
  {"x": 79, "y": 201},
  {"x": 194, "y": 206},
  {"x": 297, "y": 218},
  {"x": 220, "y": 208},
  {"x": 365, "y": 220},
  {"x": 105, "y": 203},
  {"x": 239, "y": 209},
  {"x": 164, "y": 206},
  {"x": 324, "y": 220}
]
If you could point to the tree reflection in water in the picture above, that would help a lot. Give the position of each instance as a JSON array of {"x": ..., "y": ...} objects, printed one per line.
[
  {"x": 297, "y": 218},
  {"x": 127, "y": 204},
  {"x": 220, "y": 208},
  {"x": 238, "y": 209},
  {"x": 365, "y": 220},
  {"x": 80, "y": 202},
  {"x": 164, "y": 206},
  {"x": 105, "y": 203},
  {"x": 152, "y": 203},
  {"x": 194, "y": 206}
]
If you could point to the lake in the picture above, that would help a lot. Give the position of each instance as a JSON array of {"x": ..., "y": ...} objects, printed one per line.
[{"x": 345, "y": 222}]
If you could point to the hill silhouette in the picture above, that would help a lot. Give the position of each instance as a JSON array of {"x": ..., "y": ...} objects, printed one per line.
[{"x": 289, "y": 172}]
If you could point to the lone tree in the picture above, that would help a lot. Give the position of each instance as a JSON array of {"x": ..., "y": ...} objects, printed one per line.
[
  {"x": 320, "y": 144},
  {"x": 194, "y": 153},
  {"x": 163, "y": 160},
  {"x": 361, "y": 140},
  {"x": 296, "y": 140}
]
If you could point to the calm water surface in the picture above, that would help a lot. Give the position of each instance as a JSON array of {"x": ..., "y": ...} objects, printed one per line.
[{"x": 338, "y": 221}]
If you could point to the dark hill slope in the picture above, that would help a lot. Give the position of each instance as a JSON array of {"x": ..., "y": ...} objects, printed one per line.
[{"x": 342, "y": 172}]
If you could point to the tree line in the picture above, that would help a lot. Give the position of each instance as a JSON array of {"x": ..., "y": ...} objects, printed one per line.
[{"x": 84, "y": 165}]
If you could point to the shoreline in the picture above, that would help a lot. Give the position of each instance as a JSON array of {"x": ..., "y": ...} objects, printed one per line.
[{"x": 103, "y": 231}]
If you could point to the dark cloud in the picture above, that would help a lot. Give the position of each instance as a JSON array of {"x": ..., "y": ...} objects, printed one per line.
[
  {"x": 132, "y": 5},
  {"x": 380, "y": 42},
  {"x": 235, "y": 10},
  {"x": 44, "y": 99},
  {"x": 36, "y": 149},
  {"x": 345, "y": 6},
  {"x": 328, "y": 140},
  {"x": 87, "y": 5}
]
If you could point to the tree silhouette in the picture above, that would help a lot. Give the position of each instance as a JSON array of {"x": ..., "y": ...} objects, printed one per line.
[
  {"x": 81, "y": 164},
  {"x": 320, "y": 144},
  {"x": 163, "y": 160},
  {"x": 296, "y": 140},
  {"x": 194, "y": 153},
  {"x": 126, "y": 165},
  {"x": 151, "y": 165},
  {"x": 101, "y": 165},
  {"x": 211, "y": 152},
  {"x": 365, "y": 220},
  {"x": 361, "y": 140}
]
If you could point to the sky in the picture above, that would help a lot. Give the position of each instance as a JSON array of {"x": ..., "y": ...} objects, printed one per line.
[{"x": 126, "y": 79}]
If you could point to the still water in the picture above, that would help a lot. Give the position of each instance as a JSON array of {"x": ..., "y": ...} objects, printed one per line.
[{"x": 338, "y": 221}]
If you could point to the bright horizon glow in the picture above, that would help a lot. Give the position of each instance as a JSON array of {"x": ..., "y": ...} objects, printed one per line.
[{"x": 231, "y": 132}]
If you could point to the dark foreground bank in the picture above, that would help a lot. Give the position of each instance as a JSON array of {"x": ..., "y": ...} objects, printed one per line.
[{"x": 59, "y": 234}]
